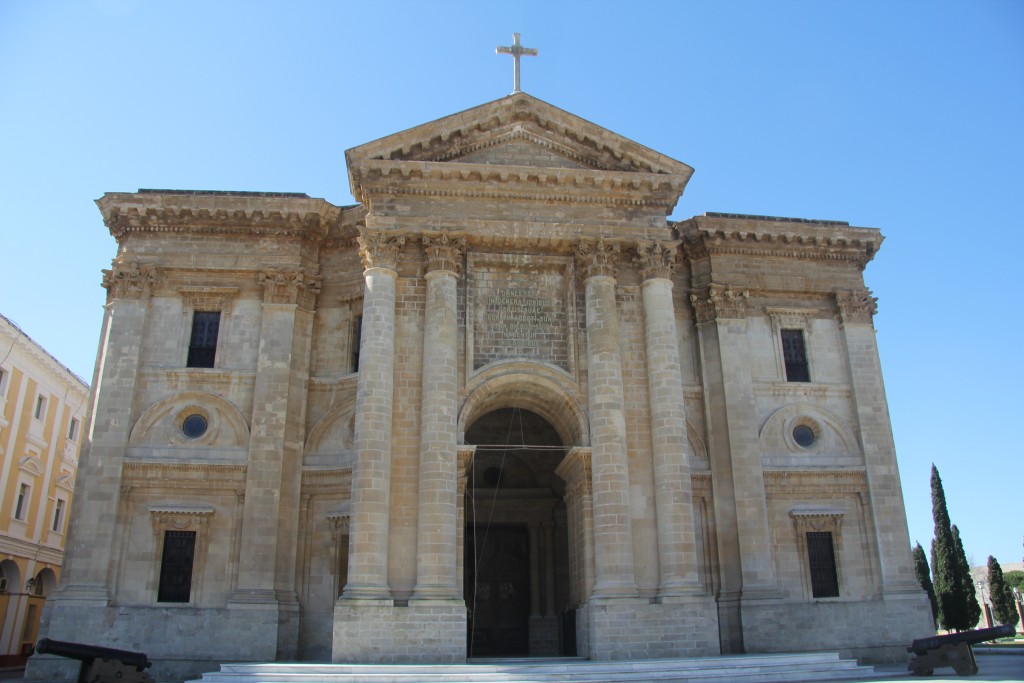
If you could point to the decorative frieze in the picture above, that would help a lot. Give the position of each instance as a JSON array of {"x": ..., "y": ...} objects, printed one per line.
[
  {"x": 380, "y": 250},
  {"x": 290, "y": 287},
  {"x": 720, "y": 301},
  {"x": 856, "y": 306},
  {"x": 129, "y": 281},
  {"x": 179, "y": 517},
  {"x": 597, "y": 257},
  {"x": 790, "y": 318},
  {"x": 656, "y": 259},
  {"x": 816, "y": 519},
  {"x": 444, "y": 252}
]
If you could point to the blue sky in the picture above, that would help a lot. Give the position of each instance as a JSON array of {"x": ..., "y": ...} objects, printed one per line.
[{"x": 905, "y": 116}]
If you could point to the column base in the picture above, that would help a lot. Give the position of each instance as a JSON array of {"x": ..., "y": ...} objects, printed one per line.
[{"x": 379, "y": 632}]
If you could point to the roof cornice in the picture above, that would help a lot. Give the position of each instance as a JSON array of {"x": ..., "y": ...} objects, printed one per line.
[
  {"x": 278, "y": 214},
  {"x": 729, "y": 234}
]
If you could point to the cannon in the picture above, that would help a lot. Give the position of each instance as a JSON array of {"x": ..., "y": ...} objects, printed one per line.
[
  {"x": 953, "y": 650},
  {"x": 100, "y": 664}
]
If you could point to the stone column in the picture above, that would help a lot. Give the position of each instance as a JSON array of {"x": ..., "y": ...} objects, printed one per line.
[
  {"x": 856, "y": 311},
  {"x": 266, "y": 570},
  {"x": 371, "y": 476},
  {"x": 673, "y": 499},
  {"x": 436, "y": 531},
  {"x": 94, "y": 508},
  {"x": 613, "y": 538}
]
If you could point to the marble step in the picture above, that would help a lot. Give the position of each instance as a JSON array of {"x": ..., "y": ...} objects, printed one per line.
[{"x": 760, "y": 668}]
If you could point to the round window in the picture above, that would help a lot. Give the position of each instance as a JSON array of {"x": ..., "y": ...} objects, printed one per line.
[
  {"x": 194, "y": 426},
  {"x": 803, "y": 435}
]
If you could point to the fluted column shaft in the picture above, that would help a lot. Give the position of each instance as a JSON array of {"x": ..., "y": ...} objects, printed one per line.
[{"x": 436, "y": 538}]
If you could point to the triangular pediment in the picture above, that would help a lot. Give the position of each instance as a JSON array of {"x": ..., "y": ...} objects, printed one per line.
[{"x": 516, "y": 131}]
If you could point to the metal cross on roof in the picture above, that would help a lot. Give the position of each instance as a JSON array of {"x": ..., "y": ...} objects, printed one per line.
[{"x": 516, "y": 50}]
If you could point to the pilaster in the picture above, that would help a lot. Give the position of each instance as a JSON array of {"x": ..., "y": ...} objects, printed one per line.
[
  {"x": 856, "y": 311},
  {"x": 89, "y": 548}
]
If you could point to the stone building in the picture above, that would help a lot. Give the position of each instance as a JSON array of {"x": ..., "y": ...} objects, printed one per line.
[
  {"x": 502, "y": 406},
  {"x": 42, "y": 411}
]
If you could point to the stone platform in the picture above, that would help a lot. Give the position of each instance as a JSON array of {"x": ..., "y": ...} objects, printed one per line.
[{"x": 760, "y": 668}]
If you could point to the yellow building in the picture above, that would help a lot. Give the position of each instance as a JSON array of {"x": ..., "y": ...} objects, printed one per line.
[{"x": 42, "y": 420}]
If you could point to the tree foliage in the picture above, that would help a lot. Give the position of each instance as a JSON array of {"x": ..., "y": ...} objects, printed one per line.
[
  {"x": 1002, "y": 598},
  {"x": 973, "y": 605},
  {"x": 950, "y": 575},
  {"x": 924, "y": 577},
  {"x": 1014, "y": 579}
]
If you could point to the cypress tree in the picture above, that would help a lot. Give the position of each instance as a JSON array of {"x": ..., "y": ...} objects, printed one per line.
[
  {"x": 947, "y": 575},
  {"x": 925, "y": 579},
  {"x": 973, "y": 608},
  {"x": 1002, "y": 598}
]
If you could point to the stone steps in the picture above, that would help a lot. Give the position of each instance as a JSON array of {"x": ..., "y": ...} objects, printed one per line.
[{"x": 759, "y": 668}]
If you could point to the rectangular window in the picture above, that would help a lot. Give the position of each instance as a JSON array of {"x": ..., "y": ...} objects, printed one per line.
[
  {"x": 176, "y": 566},
  {"x": 822, "y": 557},
  {"x": 58, "y": 514},
  {"x": 40, "y": 411},
  {"x": 203, "y": 346},
  {"x": 73, "y": 429},
  {"x": 357, "y": 335},
  {"x": 21, "y": 507},
  {"x": 794, "y": 353}
]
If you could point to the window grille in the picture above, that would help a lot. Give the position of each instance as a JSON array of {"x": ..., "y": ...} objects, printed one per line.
[
  {"x": 176, "y": 566},
  {"x": 794, "y": 353},
  {"x": 822, "y": 557},
  {"x": 356, "y": 341},
  {"x": 203, "y": 346}
]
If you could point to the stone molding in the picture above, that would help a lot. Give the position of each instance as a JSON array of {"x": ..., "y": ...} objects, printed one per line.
[
  {"x": 817, "y": 519},
  {"x": 720, "y": 301},
  {"x": 443, "y": 251},
  {"x": 856, "y": 306},
  {"x": 380, "y": 250},
  {"x": 790, "y": 318},
  {"x": 656, "y": 259},
  {"x": 208, "y": 298},
  {"x": 575, "y": 470},
  {"x": 596, "y": 257},
  {"x": 129, "y": 281},
  {"x": 290, "y": 287}
]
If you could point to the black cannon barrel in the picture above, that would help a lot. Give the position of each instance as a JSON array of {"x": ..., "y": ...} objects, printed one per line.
[
  {"x": 87, "y": 653},
  {"x": 923, "y": 645}
]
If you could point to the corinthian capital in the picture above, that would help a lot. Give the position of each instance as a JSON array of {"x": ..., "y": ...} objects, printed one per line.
[
  {"x": 380, "y": 249},
  {"x": 129, "y": 281},
  {"x": 656, "y": 259},
  {"x": 856, "y": 306},
  {"x": 719, "y": 301},
  {"x": 596, "y": 257},
  {"x": 290, "y": 287},
  {"x": 444, "y": 252}
]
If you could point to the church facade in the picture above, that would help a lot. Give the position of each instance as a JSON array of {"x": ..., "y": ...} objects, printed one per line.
[{"x": 501, "y": 407}]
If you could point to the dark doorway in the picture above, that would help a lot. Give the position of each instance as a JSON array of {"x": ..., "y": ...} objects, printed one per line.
[
  {"x": 498, "y": 592},
  {"x": 516, "y": 548}
]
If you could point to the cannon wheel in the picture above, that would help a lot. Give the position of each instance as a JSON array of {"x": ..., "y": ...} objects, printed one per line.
[
  {"x": 918, "y": 669},
  {"x": 965, "y": 669}
]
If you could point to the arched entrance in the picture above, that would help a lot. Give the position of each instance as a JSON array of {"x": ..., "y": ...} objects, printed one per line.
[{"x": 516, "y": 554}]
